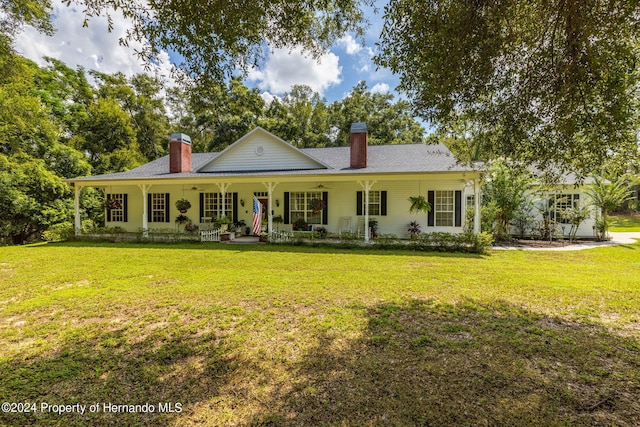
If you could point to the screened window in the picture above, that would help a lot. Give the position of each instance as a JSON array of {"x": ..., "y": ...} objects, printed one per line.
[
  {"x": 444, "y": 208},
  {"x": 300, "y": 207}
]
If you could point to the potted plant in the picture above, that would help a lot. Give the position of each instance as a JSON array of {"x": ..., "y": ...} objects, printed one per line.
[
  {"x": 190, "y": 227},
  {"x": 222, "y": 222},
  {"x": 300, "y": 225},
  {"x": 183, "y": 205},
  {"x": 321, "y": 231},
  {"x": 240, "y": 226},
  {"x": 414, "y": 229},
  {"x": 419, "y": 204},
  {"x": 317, "y": 205},
  {"x": 182, "y": 219},
  {"x": 373, "y": 226}
]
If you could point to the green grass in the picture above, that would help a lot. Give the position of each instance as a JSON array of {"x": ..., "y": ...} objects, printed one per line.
[
  {"x": 264, "y": 335},
  {"x": 625, "y": 222}
]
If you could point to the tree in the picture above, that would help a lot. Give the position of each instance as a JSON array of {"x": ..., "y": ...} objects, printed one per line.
[
  {"x": 551, "y": 82},
  {"x": 32, "y": 198},
  {"x": 304, "y": 113},
  {"x": 66, "y": 92},
  {"x": 607, "y": 196},
  {"x": 387, "y": 122},
  {"x": 215, "y": 37},
  {"x": 504, "y": 190},
  {"x": 239, "y": 111},
  {"x": 108, "y": 138}
]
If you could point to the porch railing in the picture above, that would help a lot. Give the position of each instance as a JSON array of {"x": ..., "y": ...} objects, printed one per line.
[
  {"x": 210, "y": 235},
  {"x": 280, "y": 237}
]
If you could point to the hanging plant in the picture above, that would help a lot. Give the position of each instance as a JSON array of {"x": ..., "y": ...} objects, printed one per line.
[
  {"x": 419, "y": 204},
  {"x": 317, "y": 205},
  {"x": 183, "y": 205},
  {"x": 113, "y": 204}
]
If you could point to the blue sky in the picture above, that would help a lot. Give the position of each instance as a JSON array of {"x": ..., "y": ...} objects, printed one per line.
[{"x": 337, "y": 72}]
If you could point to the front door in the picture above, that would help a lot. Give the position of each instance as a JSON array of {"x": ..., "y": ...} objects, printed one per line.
[{"x": 265, "y": 214}]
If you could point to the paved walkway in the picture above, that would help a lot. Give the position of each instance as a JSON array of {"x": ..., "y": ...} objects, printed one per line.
[{"x": 617, "y": 238}]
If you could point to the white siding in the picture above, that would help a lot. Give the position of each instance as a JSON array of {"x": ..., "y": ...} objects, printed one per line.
[
  {"x": 260, "y": 151},
  {"x": 341, "y": 203}
]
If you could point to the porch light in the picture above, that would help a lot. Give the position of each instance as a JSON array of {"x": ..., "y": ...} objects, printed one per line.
[
  {"x": 241, "y": 202},
  {"x": 277, "y": 203}
]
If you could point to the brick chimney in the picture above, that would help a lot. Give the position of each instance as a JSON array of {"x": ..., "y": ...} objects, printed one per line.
[
  {"x": 358, "y": 143},
  {"x": 179, "y": 153}
]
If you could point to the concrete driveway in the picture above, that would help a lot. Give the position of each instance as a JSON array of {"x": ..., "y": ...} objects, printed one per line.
[{"x": 617, "y": 238}]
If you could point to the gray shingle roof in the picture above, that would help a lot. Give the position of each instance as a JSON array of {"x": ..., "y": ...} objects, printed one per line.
[{"x": 385, "y": 159}]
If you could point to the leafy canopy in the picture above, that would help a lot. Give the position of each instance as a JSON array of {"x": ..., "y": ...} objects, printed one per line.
[
  {"x": 553, "y": 81},
  {"x": 214, "y": 37}
]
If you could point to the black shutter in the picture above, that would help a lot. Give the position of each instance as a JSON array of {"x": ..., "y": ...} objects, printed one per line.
[
  {"x": 359, "y": 203},
  {"x": 286, "y": 207},
  {"x": 108, "y": 210},
  {"x": 167, "y": 217},
  {"x": 431, "y": 198},
  {"x": 458, "y": 208},
  {"x": 325, "y": 211},
  {"x": 125, "y": 208},
  {"x": 149, "y": 205},
  {"x": 383, "y": 203},
  {"x": 201, "y": 206},
  {"x": 234, "y": 213}
]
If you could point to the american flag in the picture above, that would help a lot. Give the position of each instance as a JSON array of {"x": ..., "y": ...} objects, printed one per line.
[{"x": 257, "y": 216}]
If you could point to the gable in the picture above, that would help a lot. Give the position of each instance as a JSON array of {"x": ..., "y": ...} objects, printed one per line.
[{"x": 260, "y": 150}]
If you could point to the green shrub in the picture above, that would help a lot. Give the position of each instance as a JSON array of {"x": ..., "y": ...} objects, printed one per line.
[
  {"x": 451, "y": 242},
  {"x": 59, "y": 232}
]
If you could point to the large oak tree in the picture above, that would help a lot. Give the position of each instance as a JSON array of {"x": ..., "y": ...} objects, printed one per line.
[{"x": 549, "y": 81}]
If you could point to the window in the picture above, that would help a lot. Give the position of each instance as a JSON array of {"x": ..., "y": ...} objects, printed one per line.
[
  {"x": 299, "y": 207},
  {"x": 558, "y": 203},
  {"x": 444, "y": 208},
  {"x": 212, "y": 205},
  {"x": 158, "y": 207},
  {"x": 377, "y": 203},
  {"x": 374, "y": 203},
  {"x": 471, "y": 201},
  {"x": 116, "y": 208}
]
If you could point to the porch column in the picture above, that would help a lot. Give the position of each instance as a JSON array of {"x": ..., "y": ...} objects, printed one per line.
[
  {"x": 476, "y": 202},
  {"x": 270, "y": 187},
  {"x": 223, "y": 192},
  {"x": 366, "y": 185},
  {"x": 76, "y": 207},
  {"x": 145, "y": 209}
]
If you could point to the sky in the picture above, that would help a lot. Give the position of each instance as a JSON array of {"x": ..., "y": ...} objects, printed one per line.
[{"x": 94, "y": 48}]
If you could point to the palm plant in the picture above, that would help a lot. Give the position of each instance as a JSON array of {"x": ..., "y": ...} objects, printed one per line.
[{"x": 607, "y": 196}]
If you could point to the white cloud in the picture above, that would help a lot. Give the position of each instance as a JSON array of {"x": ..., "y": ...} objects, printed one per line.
[
  {"x": 350, "y": 45},
  {"x": 380, "y": 88},
  {"x": 268, "y": 97},
  {"x": 284, "y": 69},
  {"x": 93, "y": 48}
]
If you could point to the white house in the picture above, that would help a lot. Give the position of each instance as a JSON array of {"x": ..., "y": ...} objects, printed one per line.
[{"x": 355, "y": 183}]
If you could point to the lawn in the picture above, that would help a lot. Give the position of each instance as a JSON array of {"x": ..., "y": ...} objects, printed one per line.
[
  {"x": 630, "y": 222},
  {"x": 216, "y": 335}
]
